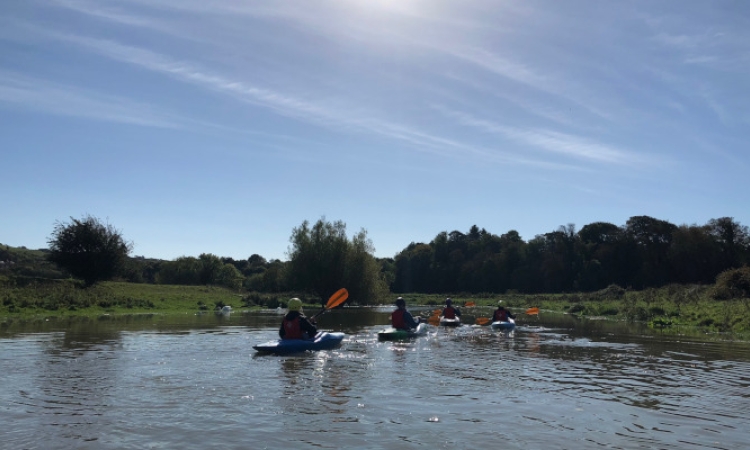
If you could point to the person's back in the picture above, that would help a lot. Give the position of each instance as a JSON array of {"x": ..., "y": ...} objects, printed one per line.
[
  {"x": 295, "y": 325},
  {"x": 450, "y": 311},
  {"x": 501, "y": 315},
  {"x": 401, "y": 319}
]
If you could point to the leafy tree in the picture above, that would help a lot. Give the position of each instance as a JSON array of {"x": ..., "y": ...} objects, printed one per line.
[
  {"x": 230, "y": 277},
  {"x": 88, "y": 249},
  {"x": 694, "y": 256},
  {"x": 413, "y": 271},
  {"x": 734, "y": 240},
  {"x": 183, "y": 270},
  {"x": 210, "y": 267},
  {"x": 322, "y": 260},
  {"x": 653, "y": 238}
]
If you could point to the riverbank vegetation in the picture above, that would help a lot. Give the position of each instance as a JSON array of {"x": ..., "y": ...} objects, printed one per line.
[
  {"x": 648, "y": 270},
  {"x": 670, "y": 308}
]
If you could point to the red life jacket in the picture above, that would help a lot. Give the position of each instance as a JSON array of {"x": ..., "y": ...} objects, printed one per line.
[
  {"x": 292, "y": 329},
  {"x": 449, "y": 312},
  {"x": 500, "y": 316},
  {"x": 397, "y": 319}
]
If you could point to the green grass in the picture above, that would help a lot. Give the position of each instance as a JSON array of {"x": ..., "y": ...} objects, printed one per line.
[
  {"x": 44, "y": 298},
  {"x": 670, "y": 308}
]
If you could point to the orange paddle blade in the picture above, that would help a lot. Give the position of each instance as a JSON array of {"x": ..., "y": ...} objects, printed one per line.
[
  {"x": 533, "y": 310},
  {"x": 469, "y": 304},
  {"x": 337, "y": 298},
  {"x": 437, "y": 312},
  {"x": 434, "y": 320},
  {"x": 482, "y": 320}
]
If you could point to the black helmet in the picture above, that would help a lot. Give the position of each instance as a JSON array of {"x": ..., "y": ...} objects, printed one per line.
[
  {"x": 448, "y": 301},
  {"x": 400, "y": 302}
]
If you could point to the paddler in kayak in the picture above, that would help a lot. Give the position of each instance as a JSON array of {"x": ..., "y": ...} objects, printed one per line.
[
  {"x": 401, "y": 319},
  {"x": 501, "y": 314},
  {"x": 450, "y": 311},
  {"x": 295, "y": 325}
]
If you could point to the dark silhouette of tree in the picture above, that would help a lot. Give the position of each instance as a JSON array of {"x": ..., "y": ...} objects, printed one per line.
[{"x": 88, "y": 249}]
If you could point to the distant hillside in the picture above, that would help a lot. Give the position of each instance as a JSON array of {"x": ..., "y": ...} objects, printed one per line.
[{"x": 20, "y": 261}]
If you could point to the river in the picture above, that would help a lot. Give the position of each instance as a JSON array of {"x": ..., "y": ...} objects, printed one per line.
[{"x": 194, "y": 382}]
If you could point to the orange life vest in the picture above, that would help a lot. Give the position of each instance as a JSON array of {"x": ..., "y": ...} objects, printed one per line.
[{"x": 292, "y": 329}]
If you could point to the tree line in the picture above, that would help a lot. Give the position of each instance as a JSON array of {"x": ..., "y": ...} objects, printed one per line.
[
  {"x": 645, "y": 252},
  {"x": 322, "y": 259}
]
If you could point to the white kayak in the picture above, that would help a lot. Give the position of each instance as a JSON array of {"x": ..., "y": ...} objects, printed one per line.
[
  {"x": 394, "y": 334},
  {"x": 445, "y": 322},
  {"x": 508, "y": 325}
]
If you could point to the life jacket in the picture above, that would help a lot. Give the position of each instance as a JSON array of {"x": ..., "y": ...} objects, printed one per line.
[
  {"x": 501, "y": 315},
  {"x": 449, "y": 312},
  {"x": 397, "y": 319},
  {"x": 292, "y": 328}
]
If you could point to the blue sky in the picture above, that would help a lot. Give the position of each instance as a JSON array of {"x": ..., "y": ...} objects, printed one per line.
[{"x": 218, "y": 127}]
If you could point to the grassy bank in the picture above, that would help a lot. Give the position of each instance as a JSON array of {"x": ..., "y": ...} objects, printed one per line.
[
  {"x": 670, "y": 307},
  {"x": 666, "y": 308},
  {"x": 34, "y": 298}
]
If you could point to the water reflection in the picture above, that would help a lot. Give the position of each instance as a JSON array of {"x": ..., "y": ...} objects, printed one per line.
[{"x": 194, "y": 382}]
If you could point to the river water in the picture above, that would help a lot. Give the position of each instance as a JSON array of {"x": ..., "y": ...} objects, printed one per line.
[{"x": 194, "y": 382}]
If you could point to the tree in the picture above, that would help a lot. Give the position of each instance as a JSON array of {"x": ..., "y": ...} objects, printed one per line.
[
  {"x": 88, "y": 249},
  {"x": 653, "y": 238},
  {"x": 322, "y": 260},
  {"x": 734, "y": 240}
]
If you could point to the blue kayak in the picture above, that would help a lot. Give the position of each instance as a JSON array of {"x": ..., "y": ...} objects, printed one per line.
[
  {"x": 394, "y": 334},
  {"x": 503, "y": 325},
  {"x": 322, "y": 341}
]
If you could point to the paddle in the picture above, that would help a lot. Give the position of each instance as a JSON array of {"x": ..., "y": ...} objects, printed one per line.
[
  {"x": 482, "y": 321},
  {"x": 469, "y": 304},
  {"x": 336, "y": 299},
  {"x": 486, "y": 320}
]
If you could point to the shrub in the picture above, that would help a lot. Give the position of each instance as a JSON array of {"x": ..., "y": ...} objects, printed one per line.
[
  {"x": 731, "y": 284},
  {"x": 576, "y": 308},
  {"x": 611, "y": 292}
]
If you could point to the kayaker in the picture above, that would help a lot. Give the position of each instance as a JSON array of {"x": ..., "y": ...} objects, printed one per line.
[
  {"x": 450, "y": 311},
  {"x": 295, "y": 325},
  {"x": 501, "y": 314},
  {"x": 402, "y": 319}
]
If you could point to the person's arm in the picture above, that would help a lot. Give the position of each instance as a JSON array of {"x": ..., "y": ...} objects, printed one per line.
[
  {"x": 458, "y": 312},
  {"x": 409, "y": 320},
  {"x": 511, "y": 315},
  {"x": 308, "y": 327},
  {"x": 282, "y": 331}
]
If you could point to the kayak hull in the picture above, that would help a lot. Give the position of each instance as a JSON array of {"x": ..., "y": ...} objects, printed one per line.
[
  {"x": 322, "y": 341},
  {"x": 393, "y": 334},
  {"x": 450, "y": 322},
  {"x": 504, "y": 326}
]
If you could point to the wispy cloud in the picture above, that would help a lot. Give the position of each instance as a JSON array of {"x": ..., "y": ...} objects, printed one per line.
[
  {"x": 95, "y": 9},
  {"x": 39, "y": 95},
  {"x": 338, "y": 118},
  {"x": 549, "y": 141}
]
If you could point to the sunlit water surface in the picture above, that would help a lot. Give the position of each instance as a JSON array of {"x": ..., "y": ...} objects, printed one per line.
[{"x": 194, "y": 382}]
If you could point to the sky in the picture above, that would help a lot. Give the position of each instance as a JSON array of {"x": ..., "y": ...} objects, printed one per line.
[{"x": 196, "y": 126}]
